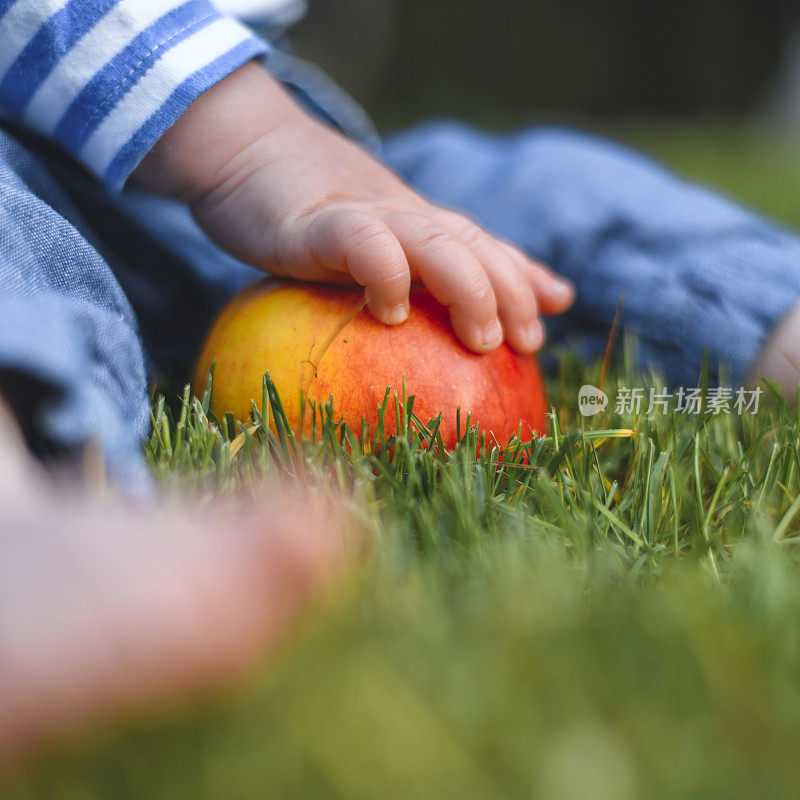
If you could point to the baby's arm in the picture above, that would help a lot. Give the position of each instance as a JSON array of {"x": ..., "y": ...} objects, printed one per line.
[
  {"x": 283, "y": 192},
  {"x": 173, "y": 83}
]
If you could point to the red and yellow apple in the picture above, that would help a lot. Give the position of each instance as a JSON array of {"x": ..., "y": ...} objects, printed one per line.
[{"x": 320, "y": 341}]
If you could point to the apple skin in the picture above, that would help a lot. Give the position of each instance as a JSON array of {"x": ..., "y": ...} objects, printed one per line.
[{"x": 320, "y": 341}]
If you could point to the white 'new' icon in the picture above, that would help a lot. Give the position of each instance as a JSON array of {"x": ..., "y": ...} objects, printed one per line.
[{"x": 591, "y": 400}]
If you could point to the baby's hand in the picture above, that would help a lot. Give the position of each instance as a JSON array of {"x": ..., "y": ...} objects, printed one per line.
[{"x": 283, "y": 192}]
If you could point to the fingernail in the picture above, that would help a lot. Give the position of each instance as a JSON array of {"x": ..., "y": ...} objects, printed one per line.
[
  {"x": 396, "y": 315},
  {"x": 562, "y": 287},
  {"x": 533, "y": 336},
  {"x": 491, "y": 335}
]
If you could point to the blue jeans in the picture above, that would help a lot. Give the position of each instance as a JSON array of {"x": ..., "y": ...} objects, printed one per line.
[{"x": 99, "y": 293}]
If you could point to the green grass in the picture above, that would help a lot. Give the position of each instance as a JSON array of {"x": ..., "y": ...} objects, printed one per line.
[{"x": 612, "y": 611}]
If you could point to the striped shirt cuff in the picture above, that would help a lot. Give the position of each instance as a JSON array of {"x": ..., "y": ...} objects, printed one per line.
[{"x": 106, "y": 78}]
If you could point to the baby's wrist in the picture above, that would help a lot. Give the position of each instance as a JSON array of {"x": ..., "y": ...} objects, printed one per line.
[{"x": 195, "y": 155}]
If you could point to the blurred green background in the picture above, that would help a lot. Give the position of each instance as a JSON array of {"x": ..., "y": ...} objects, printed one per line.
[
  {"x": 712, "y": 87},
  {"x": 507, "y": 62}
]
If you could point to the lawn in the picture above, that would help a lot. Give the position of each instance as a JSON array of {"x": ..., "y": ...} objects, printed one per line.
[{"x": 610, "y": 612}]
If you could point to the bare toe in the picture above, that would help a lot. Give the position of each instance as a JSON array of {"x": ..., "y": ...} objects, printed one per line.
[{"x": 103, "y": 610}]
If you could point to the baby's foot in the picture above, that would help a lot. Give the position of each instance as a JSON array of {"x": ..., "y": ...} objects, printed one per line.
[
  {"x": 104, "y": 609},
  {"x": 779, "y": 360},
  {"x": 285, "y": 193}
]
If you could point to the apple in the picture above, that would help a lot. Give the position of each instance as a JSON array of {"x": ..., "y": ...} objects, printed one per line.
[{"x": 316, "y": 341}]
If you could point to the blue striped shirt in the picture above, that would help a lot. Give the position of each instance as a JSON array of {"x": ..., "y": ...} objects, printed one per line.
[{"x": 106, "y": 78}]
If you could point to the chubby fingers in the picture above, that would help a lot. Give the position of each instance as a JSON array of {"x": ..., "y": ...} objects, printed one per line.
[
  {"x": 363, "y": 246},
  {"x": 382, "y": 252},
  {"x": 554, "y": 293},
  {"x": 454, "y": 275},
  {"x": 517, "y": 304},
  {"x": 491, "y": 288}
]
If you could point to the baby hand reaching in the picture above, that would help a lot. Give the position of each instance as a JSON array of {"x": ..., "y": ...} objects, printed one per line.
[{"x": 285, "y": 193}]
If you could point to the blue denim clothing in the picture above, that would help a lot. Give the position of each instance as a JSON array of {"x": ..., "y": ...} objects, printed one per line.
[
  {"x": 91, "y": 303},
  {"x": 693, "y": 269},
  {"x": 98, "y": 292}
]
